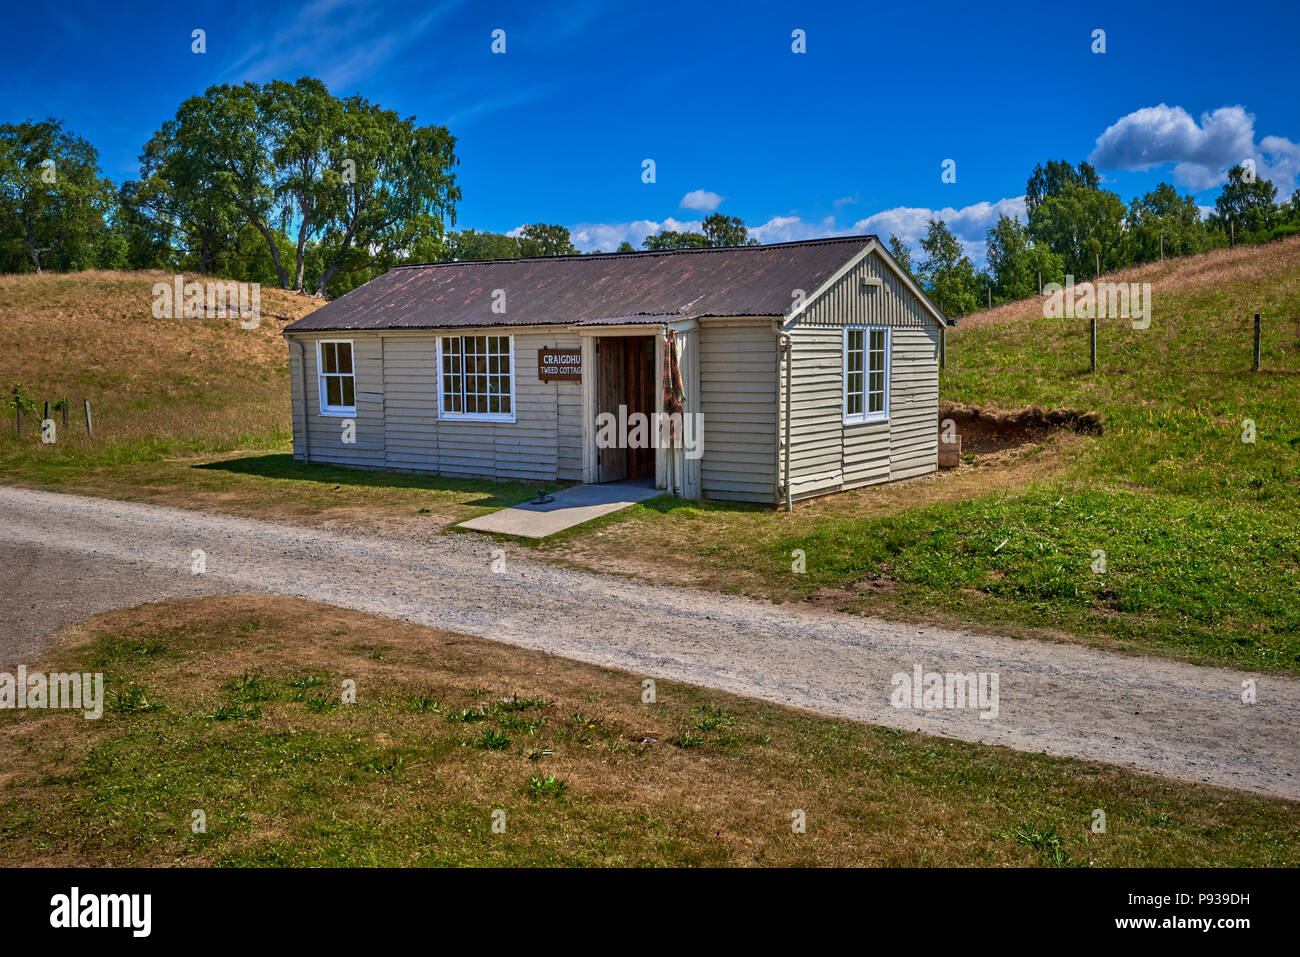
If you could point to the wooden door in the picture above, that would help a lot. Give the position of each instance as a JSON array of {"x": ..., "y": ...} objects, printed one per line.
[
  {"x": 611, "y": 386},
  {"x": 639, "y": 374}
]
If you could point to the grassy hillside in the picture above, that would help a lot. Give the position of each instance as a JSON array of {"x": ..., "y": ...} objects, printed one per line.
[{"x": 156, "y": 386}]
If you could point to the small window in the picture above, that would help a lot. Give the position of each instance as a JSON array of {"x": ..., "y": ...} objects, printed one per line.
[
  {"x": 337, "y": 381},
  {"x": 477, "y": 376},
  {"x": 866, "y": 374}
]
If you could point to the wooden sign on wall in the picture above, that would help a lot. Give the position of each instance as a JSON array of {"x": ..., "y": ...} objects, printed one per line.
[{"x": 559, "y": 364}]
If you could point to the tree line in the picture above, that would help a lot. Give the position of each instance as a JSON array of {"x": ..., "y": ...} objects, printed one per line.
[
  {"x": 1075, "y": 227},
  {"x": 283, "y": 184},
  {"x": 286, "y": 184}
]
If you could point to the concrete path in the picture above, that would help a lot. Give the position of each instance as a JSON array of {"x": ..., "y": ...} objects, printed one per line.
[
  {"x": 1164, "y": 717},
  {"x": 569, "y": 507}
]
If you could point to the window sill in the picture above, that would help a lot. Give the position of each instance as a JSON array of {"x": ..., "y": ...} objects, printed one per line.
[
  {"x": 340, "y": 413},
  {"x": 475, "y": 417},
  {"x": 871, "y": 420}
]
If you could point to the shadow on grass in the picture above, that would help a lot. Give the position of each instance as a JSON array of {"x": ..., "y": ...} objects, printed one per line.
[{"x": 283, "y": 466}]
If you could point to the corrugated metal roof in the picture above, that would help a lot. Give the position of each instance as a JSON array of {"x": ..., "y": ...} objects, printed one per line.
[{"x": 605, "y": 287}]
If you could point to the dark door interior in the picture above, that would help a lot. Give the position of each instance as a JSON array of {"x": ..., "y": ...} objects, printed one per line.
[{"x": 626, "y": 378}]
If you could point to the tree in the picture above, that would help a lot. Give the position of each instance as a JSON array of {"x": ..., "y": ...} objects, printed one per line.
[
  {"x": 304, "y": 123},
  {"x": 52, "y": 198},
  {"x": 671, "y": 239},
  {"x": 1015, "y": 262},
  {"x": 540, "y": 239},
  {"x": 1247, "y": 205},
  {"x": 399, "y": 189},
  {"x": 470, "y": 245},
  {"x": 625, "y": 247},
  {"x": 902, "y": 254},
  {"x": 1054, "y": 178},
  {"x": 176, "y": 202},
  {"x": 1080, "y": 225},
  {"x": 722, "y": 230},
  {"x": 946, "y": 272},
  {"x": 1164, "y": 221},
  {"x": 228, "y": 132}
]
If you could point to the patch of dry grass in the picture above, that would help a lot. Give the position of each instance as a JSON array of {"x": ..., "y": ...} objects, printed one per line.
[
  {"x": 251, "y": 732},
  {"x": 199, "y": 383},
  {"x": 1240, "y": 266}
]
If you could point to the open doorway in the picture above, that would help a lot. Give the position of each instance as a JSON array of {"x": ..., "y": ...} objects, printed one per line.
[{"x": 625, "y": 377}]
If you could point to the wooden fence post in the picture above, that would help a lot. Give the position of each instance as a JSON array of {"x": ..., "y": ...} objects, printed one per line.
[
  {"x": 1092, "y": 345},
  {"x": 90, "y": 429},
  {"x": 19, "y": 412},
  {"x": 1098, "y": 265},
  {"x": 990, "y": 297},
  {"x": 47, "y": 413},
  {"x": 1255, "y": 365},
  {"x": 65, "y": 413}
]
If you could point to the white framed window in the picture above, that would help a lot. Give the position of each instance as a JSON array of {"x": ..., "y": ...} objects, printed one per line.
[
  {"x": 335, "y": 377},
  {"x": 866, "y": 374},
  {"x": 476, "y": 378}
]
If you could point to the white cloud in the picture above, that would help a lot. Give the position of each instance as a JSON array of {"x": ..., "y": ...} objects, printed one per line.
[
  {"x": 607, "y": 236},
  {"x": 701, "y": 200},
  {"x": 788, "y": 229},
  {"x": 969, "y": 224},
  {"x": 1201, "y": 152}
]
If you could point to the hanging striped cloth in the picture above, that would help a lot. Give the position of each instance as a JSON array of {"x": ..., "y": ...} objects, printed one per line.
[{"x": 673, "y": 391}]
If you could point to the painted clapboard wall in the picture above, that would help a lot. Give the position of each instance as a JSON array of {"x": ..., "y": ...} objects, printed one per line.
[
  {"x": 397, "y": 412},
  {"x": 827, "y": 455},
  {"x": 739, "y": 405}
]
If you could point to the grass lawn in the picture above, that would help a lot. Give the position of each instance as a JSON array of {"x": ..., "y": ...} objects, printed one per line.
[{"x": 231, "y": 706}]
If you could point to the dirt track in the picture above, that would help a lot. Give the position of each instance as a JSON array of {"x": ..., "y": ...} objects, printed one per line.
[{"x": 1164, "y": 717}]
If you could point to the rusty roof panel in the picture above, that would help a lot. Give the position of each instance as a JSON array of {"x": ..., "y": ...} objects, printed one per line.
[{"x": 682, "y": 283}]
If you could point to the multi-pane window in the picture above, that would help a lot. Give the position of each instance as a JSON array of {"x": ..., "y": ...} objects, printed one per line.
[
  {"x": 336, "y": 379},
  {"x": 477, "y": 379},
  {"x": 866, "y": 373}
]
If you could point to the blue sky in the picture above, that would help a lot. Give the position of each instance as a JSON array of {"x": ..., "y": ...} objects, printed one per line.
[{"x": 847, "y": 137}]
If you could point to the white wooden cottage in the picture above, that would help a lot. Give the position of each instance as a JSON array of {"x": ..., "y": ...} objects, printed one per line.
[{"x": 812, "y": 366}]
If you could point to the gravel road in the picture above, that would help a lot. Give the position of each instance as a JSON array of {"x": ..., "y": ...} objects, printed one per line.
[{"x": 1163, "y": 717}]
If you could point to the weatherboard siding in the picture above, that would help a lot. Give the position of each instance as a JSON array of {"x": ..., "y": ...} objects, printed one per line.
[
  {"x": 326, "y": 432},
  {"x": 826, "y": 454},
  {"x": 739, "y": 407},
  {"x": 397, "y": 410}
]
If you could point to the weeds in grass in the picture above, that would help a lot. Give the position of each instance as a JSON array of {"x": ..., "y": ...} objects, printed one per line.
[
  {"x": 387, "y": 763},
  {"x": 1046, "y": 843},
  {"x": 133, "y": 699},
  {"x": 493, "y": 740},
  {"x": 423, "y": 703},
  {"x": 321, "y": 704},
  {"x": 549, "y": 786},
  {"x": 688, "y": 739}
]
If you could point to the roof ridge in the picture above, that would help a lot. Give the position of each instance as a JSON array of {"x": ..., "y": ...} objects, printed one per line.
[{"x": 827, "y": 240}]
